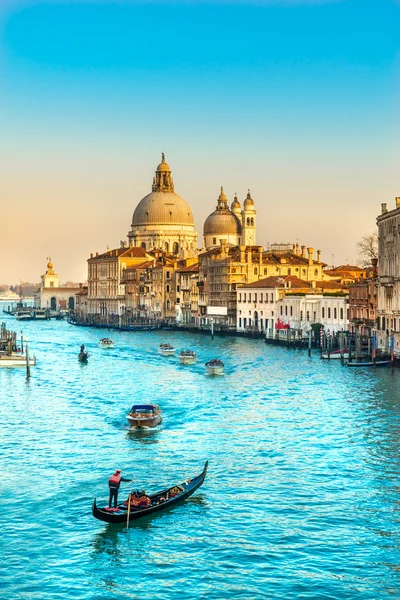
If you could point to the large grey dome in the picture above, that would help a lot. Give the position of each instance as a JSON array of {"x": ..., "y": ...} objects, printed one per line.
[
  {"x": 222, "y": 221},
  {"x": 162, "y": 208}
]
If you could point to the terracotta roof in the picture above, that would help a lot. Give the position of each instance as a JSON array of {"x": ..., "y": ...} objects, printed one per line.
[
  {"x": 59, "y": 289},
  {"x": 142, "y": 265},
  {"x": 347, "y": 268},
  {"x": 134, "y": 252},
  {"x": 191, "y": 269},
  {"x": 331, "y": 285},
  {"x": 277, "y": 281}
]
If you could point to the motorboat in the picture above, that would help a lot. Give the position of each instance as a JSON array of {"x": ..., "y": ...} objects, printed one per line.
[
  {"x": 162, "y": 500},
  {"x": 106, "y": 343},
  {"x": 166, "y": 350},
  {"x": 336, "y": 354},
  {"x": 16, "y": 360},
  {"x": 187, "y": 357},
  {"x": 215, "y": 367},
  {"x": 144, "y": 415}
]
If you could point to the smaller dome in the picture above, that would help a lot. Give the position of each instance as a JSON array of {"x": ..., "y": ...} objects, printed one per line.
[
  {"x": 163, "y": 166},
  {"x": 249, "y": 202},
  {"x": 235, "y": 203},
  {"x": 49, "y": 265}
]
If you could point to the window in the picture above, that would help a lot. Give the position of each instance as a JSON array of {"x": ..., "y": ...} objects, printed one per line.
[
  {"x": 261, "y": 324},
  {"x": 281, "y": 310},
  {"x": 335, "y": 313},
  {"x": 168, "y": 305},
  {"x": 272, "y": 298},
  {"x": 265, "y": 271},
  {"x": 301, "y": 315},
  {"x": 255, "y": 297},
  {"x": 240, "y": 297},
  {"x": 315, "y": 316},
  {"x": 308, "y": 315},
  {"x": 291, "y": 311},
  {"x": 51, "y": 283},
  {"x": 244, "y": 297},
  {"x": 249, "y": 297},
  {"x": 323, "y": 312},
  {"x": 289, "y": 271},
  {"x": 329, "y": 312},
  {"x": 244, "y": 323},
  {"x": 178, "y": 300},
  {"x": 286, "y": 311},
  {"x": 168, "y": 289},
  {"x": 261, "y": 297},
  {"x": 168, "y": 275},
  {"x": 214, "y": 241},
  {"x": 341, "y": 313},
  {"x": 255, "y": 270},
  {"x": 175, "y": 248},
  {"x": 240, "y": 322},
  {"x": 178, "y": 288}
]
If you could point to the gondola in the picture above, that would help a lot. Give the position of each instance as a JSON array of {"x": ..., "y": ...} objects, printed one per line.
[{"x": 119, "y": 515}]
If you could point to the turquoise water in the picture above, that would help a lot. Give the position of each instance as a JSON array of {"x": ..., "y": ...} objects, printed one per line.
[{"x": 302, "y": 496}]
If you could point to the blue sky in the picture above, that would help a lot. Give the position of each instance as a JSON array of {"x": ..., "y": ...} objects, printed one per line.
[{"x": 297, "y": 100}]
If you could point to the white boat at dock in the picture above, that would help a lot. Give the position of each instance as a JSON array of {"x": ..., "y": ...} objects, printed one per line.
[
  {"x": 215, "y": 367},
  {"x": 16, "y": 360},
  {"x": 166, "y": 350},
  {"x": 187, "y": 357},
  {"x": 336, "y": 354}
]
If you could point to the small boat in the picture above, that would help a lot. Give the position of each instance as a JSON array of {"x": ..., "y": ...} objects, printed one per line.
[
  {"x": 106, "y": 343},
  {"x": 83, "y": 355},
  {"x": 215, "y": 367},
  {"x": 166, "y": 350},
  {"x": 144, "y": 415},
  {"x": 368, "y": 363},
  {"x": 163, "y": 500},
  {"x": 336, "y": 354},
  {"x": 187, "y": 357},
  {"x": 16, "y": 360}
]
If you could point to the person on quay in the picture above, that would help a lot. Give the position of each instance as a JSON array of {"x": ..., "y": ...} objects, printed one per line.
[{"x": 113, "y": 483}]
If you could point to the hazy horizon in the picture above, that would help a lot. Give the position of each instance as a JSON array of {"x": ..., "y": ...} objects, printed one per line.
[{"x": 297, "y": 101}]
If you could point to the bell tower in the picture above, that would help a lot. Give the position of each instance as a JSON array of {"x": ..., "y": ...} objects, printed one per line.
[
  {"x": 50, "y": 278},
  {"x": 248, "y": 222}
]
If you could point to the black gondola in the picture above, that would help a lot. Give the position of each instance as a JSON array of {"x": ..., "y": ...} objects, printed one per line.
[
  {"x": 120, "y": 514},
  {"x": 83, "y": 355}
]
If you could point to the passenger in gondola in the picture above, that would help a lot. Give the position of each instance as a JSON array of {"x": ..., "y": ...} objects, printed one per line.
[{"x": 113, "y": 483}]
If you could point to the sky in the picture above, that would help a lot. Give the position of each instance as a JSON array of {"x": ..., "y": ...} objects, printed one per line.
[{"x": 297, "y": 101}]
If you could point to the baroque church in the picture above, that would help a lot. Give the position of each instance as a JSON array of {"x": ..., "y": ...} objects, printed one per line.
[{"x": 163, "y": 220}]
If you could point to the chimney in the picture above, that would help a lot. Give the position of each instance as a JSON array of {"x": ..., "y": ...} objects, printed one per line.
[
  {"x": 318, "y": 256},
  {"x": 310, "y": 256},
  {"x": 242, "y": 253},
  {"x": 303, "y": 252},
  {"x": 374, "y": 263},
  {"x": 398, "y": 202},
  {"x": 384, "y": 208},
  {"x": 91, "y": 255},
  {"x": 97, "y": 253}
]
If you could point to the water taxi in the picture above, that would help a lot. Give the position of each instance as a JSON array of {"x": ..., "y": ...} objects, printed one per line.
[
  {"x": 166, "y": 350},
  {"x": 144, "y": 415},
  {"x": 106, "y": 343},
  {"x": 187, "y": 357},
  {"x": 215, "y": 367}
]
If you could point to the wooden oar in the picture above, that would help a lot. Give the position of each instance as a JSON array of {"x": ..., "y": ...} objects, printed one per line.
[{"x": 129, "y": 505}]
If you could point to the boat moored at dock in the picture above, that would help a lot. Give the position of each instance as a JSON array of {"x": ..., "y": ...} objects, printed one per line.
[
  {"x": 336, "y": 354},
  {"x": 215, "y": 367},
  {"x": 187, "y": 357},
  {"x": 16, "y": 360},
  {"x": 144, "y": 415}
]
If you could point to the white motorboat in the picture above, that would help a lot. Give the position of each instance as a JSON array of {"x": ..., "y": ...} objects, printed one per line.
[
  {"x": 336, "y": 354},
  {"x": 215, "y": 367},
  {"x": 16, "y": 360},
  {"x": 144, "y": 415},
  {"x": 24, "y": 314},
  {"x": 166, "y": 350},
  {"x": 187, "y": 357},
  {"x": 106, "y": 343}
]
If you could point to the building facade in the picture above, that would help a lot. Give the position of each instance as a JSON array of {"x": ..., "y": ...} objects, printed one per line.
[{"x": 53, "y": 296}]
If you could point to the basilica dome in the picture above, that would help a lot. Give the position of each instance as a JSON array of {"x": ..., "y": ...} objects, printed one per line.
[
  {"x": 222, "y": 220},
  {"x": 162, "y": 208}
]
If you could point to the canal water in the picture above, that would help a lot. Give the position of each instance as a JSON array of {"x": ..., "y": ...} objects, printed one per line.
[{"x": 302, "y": 496}]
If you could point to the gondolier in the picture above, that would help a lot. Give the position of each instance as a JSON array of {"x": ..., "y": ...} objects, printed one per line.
[{"x": 113, "y": 483}]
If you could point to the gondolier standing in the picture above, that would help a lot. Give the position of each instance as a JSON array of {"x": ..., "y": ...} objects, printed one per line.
[{"x": 113, "y": 483}]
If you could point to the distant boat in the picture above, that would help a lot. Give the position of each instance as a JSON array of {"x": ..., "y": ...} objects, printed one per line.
[
  {"x": 336, "y": 354},
  {"x": 215, "y": 367},
  {"x": 24, "y": 314},
  {"x": 106, "y": 343},
  {"x": 369, "y": 363},
  {"x": 144, "y": 415},
  {"x": 187, "y": 357},
  {"x": 166, "y": 350},
  {"x": 83, "y": 355},
  {"x": 16, "y": 360}
]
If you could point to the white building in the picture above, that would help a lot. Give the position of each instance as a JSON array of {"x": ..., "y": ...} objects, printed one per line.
[
  {"x": 53, "y": 296},
  {"x": 388, "y": 322},
  {"x": 300, "y": 312},
  {"x": 257, "y": 304}
]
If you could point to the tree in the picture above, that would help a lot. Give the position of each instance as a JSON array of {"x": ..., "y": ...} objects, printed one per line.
[{"x": 367, "y": 249}]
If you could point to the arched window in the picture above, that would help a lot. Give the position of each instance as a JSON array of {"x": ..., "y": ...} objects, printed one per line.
[
  {"x": 335, "y": 313},
  {"x": 252, "y": 222},
  {"x": 143, "y": 245},
  {"x": 166, "y": 247},
  {"x": 289, "y": 271},
  {"x": 329, "y": 313},
  {"x": 175, "y": 248},
  {"x": 323, "y": 312},
  {"x": 248, "y": 221},
  {"x": 341, "y": 313},
  {"x": 168, "y": 288},
  {"x": 71, "y": 303},
  {"x": 168, "y": 305},
  {"x": 265, "y": 271},
  {"x": 255, "y": 270},
  {"x": 315, "y": 271},
  {"x": 53, "y": 303}
]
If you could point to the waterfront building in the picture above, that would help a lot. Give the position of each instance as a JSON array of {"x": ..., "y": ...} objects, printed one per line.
[
  {"x": 363, "y": 303},
  {"x": 106, "y": 290},
  {"x": 232, "y": 225},
  {"x": 388, "y": 283},
  {"x": 260, "y": 304},
  {"x": 163, "y": 219},
  {"x": 300, "y": 312},
  {"x": 187, "y": 294},
  {"x": 53, "y": 296}
]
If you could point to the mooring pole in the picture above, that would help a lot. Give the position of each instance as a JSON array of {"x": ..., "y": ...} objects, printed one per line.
[
  {"x": 28, "y": 369},
  {"x": 309, "y": 343}
]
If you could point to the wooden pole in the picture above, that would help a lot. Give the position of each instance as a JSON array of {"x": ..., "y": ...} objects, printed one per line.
[
  {"x": 28, "y": 369},
  {"x": 129, "y": 505},
  {"x": 309, "y": 343}
]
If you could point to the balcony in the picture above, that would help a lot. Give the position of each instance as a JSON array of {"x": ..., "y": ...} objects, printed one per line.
[{"x": 386, "y": 279}]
